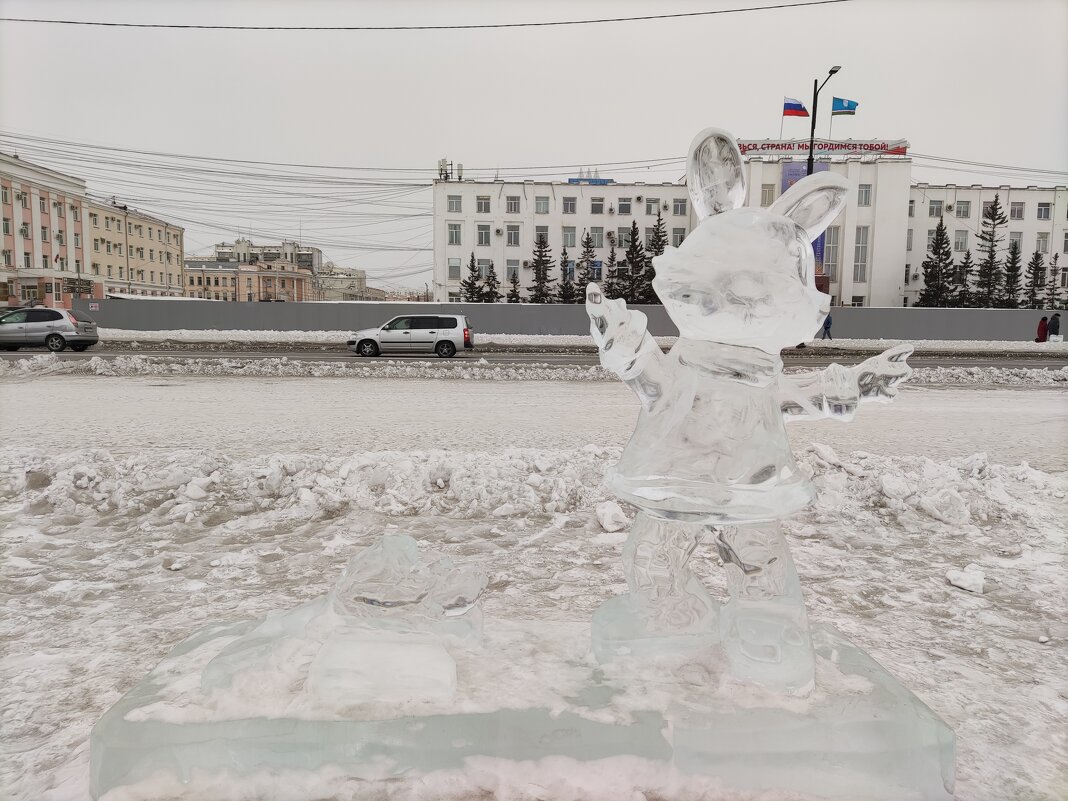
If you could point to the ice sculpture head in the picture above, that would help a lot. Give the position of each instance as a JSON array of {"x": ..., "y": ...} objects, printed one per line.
[{"x": 746, "y": 276}]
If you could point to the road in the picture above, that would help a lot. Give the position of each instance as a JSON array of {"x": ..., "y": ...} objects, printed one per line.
[{"x": 551, "y": 358}]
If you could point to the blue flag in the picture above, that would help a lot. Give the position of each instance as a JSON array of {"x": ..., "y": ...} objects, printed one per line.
[{"x": 842, "y": 106}]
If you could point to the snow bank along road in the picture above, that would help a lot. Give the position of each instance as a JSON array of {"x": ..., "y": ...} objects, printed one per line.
[{"x": 135, "y": 509}]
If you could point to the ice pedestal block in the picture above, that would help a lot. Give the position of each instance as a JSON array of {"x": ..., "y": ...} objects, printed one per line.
[{"x": 859, "y": 736}]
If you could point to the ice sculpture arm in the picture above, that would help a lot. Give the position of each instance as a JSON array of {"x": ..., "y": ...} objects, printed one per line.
[
  {"x": 625, "y": 346},
  {"x": 836, "y": 391}
]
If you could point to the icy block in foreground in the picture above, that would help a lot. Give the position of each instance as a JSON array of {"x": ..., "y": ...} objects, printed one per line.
[{"x": 674, "y": 726}]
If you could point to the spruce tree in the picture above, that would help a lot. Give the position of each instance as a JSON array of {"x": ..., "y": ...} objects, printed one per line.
[
  {"x": 540, "y": 264},
  {"x": 1036, "y": 280},
  {"x": 1010, "y": 295},
  {"x": 963, "y": 297},
  {"x": 491, "y": 286},
  {"x": 1053, "y": 289},
  {"x": 513, "y": 293},
  {"x": 937, "y": 270},
  {"x": 988, "y": 281},
  {"x": 656, "y": 246},
  {"x": 586, "y": 260},
  {"x": 610, "y": 277},
  {"x": 565, "y": 290},
  {"x": 635, "y": 289},
  {"x": 470, "y": 287}
]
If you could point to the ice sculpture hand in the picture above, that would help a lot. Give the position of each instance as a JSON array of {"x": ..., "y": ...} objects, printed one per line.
[
  {"x": 878, "y": 377},
  {"x": 619, "y": 333}
]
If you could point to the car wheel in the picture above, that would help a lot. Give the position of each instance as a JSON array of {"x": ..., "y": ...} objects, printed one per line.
[
  {"x": 78, "y": 348},
  {"x": 445, "y": 349},
  {"x": 55, "y": 343},
  {"x": 367, "y": 347}
]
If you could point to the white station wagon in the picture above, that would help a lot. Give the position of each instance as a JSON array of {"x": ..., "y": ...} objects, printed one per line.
[{"x": 442, "y": 334}]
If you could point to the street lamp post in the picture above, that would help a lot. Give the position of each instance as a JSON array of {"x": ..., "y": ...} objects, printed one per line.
[{"x": 816, "y": 86}]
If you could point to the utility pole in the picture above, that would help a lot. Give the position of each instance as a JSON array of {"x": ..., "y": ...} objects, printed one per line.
[{"x": 816, "y": 86}]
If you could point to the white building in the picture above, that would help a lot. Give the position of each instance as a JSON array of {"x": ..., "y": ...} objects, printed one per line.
[
  {"x": 242, "y": 250},
  {"x": 871, "y": 254}
]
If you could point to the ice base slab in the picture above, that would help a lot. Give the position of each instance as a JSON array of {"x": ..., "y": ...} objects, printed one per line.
[{"x": 532, "y": 708}]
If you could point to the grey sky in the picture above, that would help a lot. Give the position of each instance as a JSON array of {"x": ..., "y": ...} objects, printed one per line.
[{"x": 970, "y": 79}]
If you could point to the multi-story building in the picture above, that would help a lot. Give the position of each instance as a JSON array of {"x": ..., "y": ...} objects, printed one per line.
[
  {"x": 133, "y": 253},
  {"x": 232, "y": 280},
  {"x": 44, "y": 254},
  {"x": 871, "y": 255},
  {"x": 243, "y": 250},
  {"x": 339, "y": 283},
  {"x": 1037, "y": 221}
]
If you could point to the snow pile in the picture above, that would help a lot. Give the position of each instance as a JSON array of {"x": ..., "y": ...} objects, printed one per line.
[
  {"x": 49, "y": 364},
  {"x": 953, "y": 345},
  {"x": 224, "y": 335}
]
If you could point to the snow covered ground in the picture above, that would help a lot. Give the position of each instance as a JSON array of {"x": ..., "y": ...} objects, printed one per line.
[
  {"x": 133, "y": 510},
  {"x": 545, "y": 340}
]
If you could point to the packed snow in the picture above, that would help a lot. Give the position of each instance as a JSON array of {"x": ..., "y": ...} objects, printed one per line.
[
  {"x": 553, "y": 340},
  {"x": 466, "y": 369}
]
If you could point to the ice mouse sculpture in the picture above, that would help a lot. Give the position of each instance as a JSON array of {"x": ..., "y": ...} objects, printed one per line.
[{"x": 709, "y": 456}]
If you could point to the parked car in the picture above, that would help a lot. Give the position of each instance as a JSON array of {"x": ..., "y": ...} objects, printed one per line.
[
  {"x": 55, "y": 329},
  {"x": 416, "y": 333}
]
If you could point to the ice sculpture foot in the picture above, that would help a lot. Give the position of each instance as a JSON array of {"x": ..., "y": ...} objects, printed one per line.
[
  {"x": 667, "y": 607},
  {"x": 764, "y": 625}
]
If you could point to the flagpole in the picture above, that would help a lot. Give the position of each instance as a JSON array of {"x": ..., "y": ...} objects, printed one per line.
[
  {"x": 830, "y": 127},
  {"x": 783, "y": 117}
]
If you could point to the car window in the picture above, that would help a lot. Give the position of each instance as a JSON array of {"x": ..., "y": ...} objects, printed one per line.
[
  {"x": 81, "y": 317},
  {"x": 14, "y": 317},
  {"x": 447, "y": 322},
  {"x": 400, "y": 324},
  {"x": 425, "y": 323},
  {"x": 42, "y": 316}
]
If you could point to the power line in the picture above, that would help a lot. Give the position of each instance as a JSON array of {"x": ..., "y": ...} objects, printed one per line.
[{"x": 477, "y": 26}]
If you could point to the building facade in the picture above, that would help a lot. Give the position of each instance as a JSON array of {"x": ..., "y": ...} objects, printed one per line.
[
  {"x": 44, "y": 258},
  {"x": 871, "y": 255},
  {"x": 242, "y": 250},
  {"x": 133, "y": 253},
  {"x": 238, "y": 281},
  {"x": 339, "y": 283}
]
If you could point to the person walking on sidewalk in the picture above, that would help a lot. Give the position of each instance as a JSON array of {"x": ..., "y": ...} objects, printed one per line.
[
  {"x": 1043, "y": 330},
  {"x": 1055, "y": 327},
  {"x": 827, "y": 329}
]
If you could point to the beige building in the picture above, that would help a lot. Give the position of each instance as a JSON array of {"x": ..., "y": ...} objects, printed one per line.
[
  {"x": 133, "y": 253},
  {"x": 213, "y": 279},
  {"x": 44, "y": 257},
  {"x": 243, "y": 250},
  {"x": 338, "y": 283}
]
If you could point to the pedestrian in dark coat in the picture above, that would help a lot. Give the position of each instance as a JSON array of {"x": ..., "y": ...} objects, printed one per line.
[
  {"x": 1043, "y": 330},
  {"x": 1055, "y": 324},
  {"x": 827, "y": 329}
]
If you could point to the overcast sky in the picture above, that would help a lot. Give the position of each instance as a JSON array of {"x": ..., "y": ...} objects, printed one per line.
[{"x": 980, "y": 80}]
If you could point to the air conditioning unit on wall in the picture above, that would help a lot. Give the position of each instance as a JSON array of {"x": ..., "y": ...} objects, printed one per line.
[
  {"x": 499, "y": 231},
  {"x": 526, "y": 262},
  {"x": 638, "y": 199}
]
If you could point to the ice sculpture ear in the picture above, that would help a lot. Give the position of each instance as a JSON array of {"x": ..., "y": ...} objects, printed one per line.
[
  {"x": 813, "y": 202},
  {"x": 715, "y": 173}
]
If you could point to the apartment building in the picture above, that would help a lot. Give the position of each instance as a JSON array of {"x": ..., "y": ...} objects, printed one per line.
[
  {"x": 44, "y": 257},
  {"x": 338, "y": 283},
  {"x": 242, "y": 250},
  {"x": 133, "y": 253},
  {"x": 238, "y": 281}
]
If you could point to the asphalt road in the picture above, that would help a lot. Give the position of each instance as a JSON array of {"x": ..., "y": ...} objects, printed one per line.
[{"x": 554, "y": 358}]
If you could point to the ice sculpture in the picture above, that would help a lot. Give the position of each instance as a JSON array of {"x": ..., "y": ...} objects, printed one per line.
[{"x": 709, "y": 456}]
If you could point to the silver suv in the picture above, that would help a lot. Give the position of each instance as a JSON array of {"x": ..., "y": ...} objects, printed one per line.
[
  {"x": 53, "y": 328},
  {"x": 416, "y": 333}
]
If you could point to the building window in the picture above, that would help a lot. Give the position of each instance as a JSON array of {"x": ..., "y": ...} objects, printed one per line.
[
  {"x": 678, "y": 206},
  {"x": 74, "y": 215},
  {"x": 26, "y": 261},
  {"x": 512, "y": 205},
  {"x": 44, "y": 234},
  {"x": 1017, "y": 237},
  {"x": 652, "y": 205},
  {"x": 767, "y": 194},
  {"x": 830, "y": 252},
  {"x": 569, "y": 205},
  {"x": 596, "y": 205},
  {"x": 44, "y": 261},
  {"x": 454, "y": 233},
  {"x": 190, "y": 280},
  {"x": 8, "y": 262},
  {"x": 960, "y": 241},
  {"x": 1045, "y": 211},
  {"x": 597, "y": 237},
  {"x": 23, "y": 200},
  {"x": 648, "y": 235},
  {"x": 118, "y": 249},
  {"x": 1016, "y": 211},
  {"x": 7, "y": 225},
  {"x": 624, "y": 205},
  {"x": 513, "y": 236},
  {"x": 908, "y": 240},
  {"x": 483, "y": 235},
  {"x": 623, "y": 238},
  {"x": 677, "y": 236},
  {"x": 77, "y": 240},
  {"x": 986, "y": 207},
  {"x": 107, "y": 223},
  {"x": 908, "y": 267},
  {"x": 934, "y": 209},
  {"x": 455, "y": 204},
  {"x": 6, "y": 197},
  {"x": 44, "y": 205},
  {"x": 568, "y": 233},
  {"x": 542, "y": 232},
  {"x": 107, "y": 247},
  {"x": 483, "y": 267},
  {"x": 541, "y": 205},
  {"x": 569, "y": 270},
  {"x": 930, "y": 238},
  {"x": 511, "y": 269},
  {"x": 858, "y": 300},
  {"x": 482, "y": 205},
  {"x": 963, "y": 209},
  {"x": 864, "y": 195},
  {"x": 1042, "y": 242},
  {"x": 1065, "y": 248},
  {"x": 912, "y": 208},
  {"x": 860, "y": 255}
]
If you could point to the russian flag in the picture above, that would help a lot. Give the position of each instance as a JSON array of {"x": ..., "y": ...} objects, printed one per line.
[
  {"x": 793, "y": 108},
  {"x": 840, "y": 105}
]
